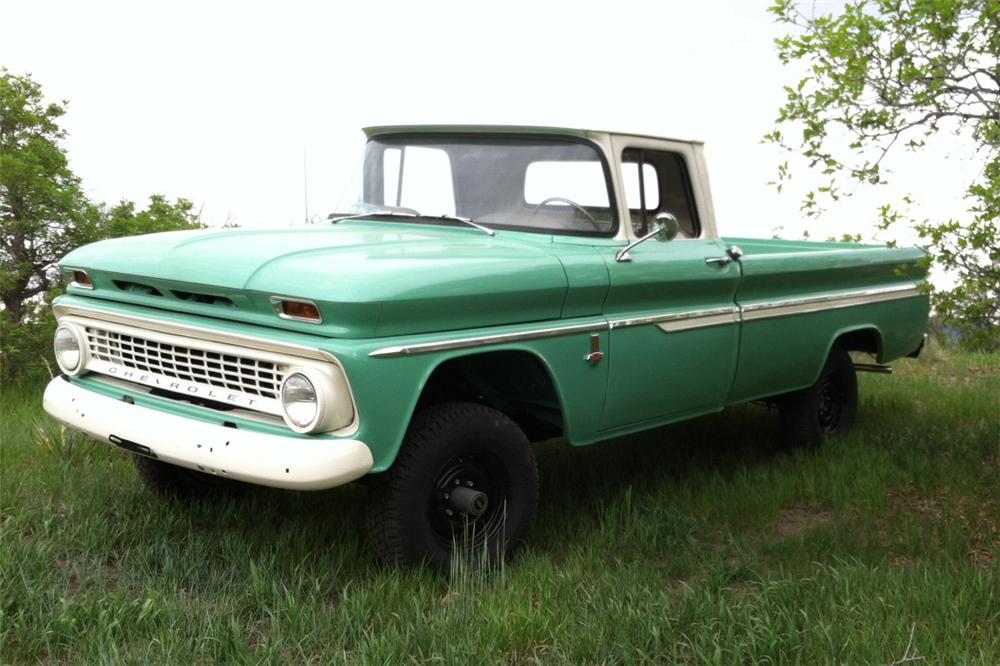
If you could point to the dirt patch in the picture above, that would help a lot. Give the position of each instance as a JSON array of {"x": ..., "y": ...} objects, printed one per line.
[
  {"x": 974, "y": 515},
  {"x": 797, "y": 520},
  {"x": 81, "y": 575},
  {"x": 908, "y": 501},
  {"x": 904, "y": 562},
  {"x": 983, "y": 556}
]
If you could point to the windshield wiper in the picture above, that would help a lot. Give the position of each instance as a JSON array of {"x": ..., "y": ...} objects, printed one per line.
[
  {"x": 333, "y": 218},
  {"x": 465, "y": 220},
  {"x": 456, "y": 218}
]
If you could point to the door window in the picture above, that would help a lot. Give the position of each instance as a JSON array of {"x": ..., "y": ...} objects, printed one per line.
[{"x": 662, "y": 185}]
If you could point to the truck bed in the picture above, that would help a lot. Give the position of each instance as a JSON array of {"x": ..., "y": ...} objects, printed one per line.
[{"x": 795, "y": 296}]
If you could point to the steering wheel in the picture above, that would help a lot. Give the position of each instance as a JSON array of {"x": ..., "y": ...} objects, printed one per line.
[{"x": 570, "y": 202}]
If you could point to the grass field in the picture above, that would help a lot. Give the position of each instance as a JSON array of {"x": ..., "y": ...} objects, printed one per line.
[{"x": 696, "y": 543}]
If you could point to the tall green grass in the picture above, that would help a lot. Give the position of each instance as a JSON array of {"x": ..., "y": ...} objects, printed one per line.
[{"x": 699, "y": 543}]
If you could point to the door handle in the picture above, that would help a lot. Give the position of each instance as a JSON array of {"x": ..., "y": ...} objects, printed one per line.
[{"x": 733, "y": 253}]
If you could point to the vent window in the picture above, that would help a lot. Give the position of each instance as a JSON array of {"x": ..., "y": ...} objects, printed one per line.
[
  {"x": 207, "y": 299},
  {"x": 137, "y": 288}
]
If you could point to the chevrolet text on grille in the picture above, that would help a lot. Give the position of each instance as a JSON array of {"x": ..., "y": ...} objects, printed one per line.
[{"x": 192, "y": 389}]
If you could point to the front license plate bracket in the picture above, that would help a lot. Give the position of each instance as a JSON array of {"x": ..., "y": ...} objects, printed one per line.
[{"x": 129, "y": 445}]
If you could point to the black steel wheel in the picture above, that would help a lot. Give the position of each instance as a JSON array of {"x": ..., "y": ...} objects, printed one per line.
[
  {"x": 827, "y": 409},
  {"x": 830, "y": 404},
  {"x": 469, "y": 500},
  {"x": 464, "y": 481}
]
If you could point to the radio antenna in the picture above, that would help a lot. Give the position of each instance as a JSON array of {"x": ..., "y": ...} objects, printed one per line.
[{"x": 305, "y": 183}]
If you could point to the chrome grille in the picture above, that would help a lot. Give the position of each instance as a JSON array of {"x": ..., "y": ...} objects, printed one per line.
[{"x": 249, "y": 376}]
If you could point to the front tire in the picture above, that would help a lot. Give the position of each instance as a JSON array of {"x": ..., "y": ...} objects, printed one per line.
[
  {"x": 465, "y": 481},
  {"x": 827, "y": 409}
]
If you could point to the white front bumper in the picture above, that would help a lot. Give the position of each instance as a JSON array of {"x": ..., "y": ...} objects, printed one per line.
[{"x": 269, "y": 460}]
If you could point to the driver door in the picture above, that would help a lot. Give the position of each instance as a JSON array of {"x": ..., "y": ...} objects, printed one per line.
[{"x": 674, "y": 325}]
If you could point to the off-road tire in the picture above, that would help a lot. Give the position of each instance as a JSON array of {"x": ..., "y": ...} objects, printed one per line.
[
  {"x": 827, "y": 409},
  {"x": 169, "y": 480},
  {"x": 406, "y": 525}
]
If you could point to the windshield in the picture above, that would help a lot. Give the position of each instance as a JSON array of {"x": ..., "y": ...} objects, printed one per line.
[{"x": 532, "y": 184}]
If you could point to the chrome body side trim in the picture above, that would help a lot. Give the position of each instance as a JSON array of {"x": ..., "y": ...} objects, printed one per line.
[
  {"x": 794, "y": 306},
  {"x": 481, "y": 341},
  {"x": 248, "y": 341},
  {"x": 676, "y": 321},
  {"x": 701, "y": 321},
  {"x": 673, "y": 321}
]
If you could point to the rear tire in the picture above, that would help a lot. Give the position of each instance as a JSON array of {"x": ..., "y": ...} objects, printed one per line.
[
  {"x": 414, "y": 513},
  {"x": 827, "y": 409},
  {"x": 169, "y": 480}
]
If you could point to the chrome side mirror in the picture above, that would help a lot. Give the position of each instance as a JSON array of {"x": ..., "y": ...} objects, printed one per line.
[{"x": 665, "y": 228}]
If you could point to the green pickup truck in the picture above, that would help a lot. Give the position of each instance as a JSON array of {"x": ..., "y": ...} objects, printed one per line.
[{"x": 484, "y": 288}]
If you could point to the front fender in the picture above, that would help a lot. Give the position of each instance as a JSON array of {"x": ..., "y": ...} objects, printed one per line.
[{"x": 388, "y": 389}]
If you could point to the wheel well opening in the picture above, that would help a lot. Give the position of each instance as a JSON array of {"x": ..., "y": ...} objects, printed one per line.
[
  {"x": 865, "y": 340},
  {"x": 513, "y": 382}
]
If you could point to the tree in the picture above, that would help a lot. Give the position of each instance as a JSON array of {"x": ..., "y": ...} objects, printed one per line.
[
  {"x": 44, "y": 214},
  {"x": 890, "y": 74},
  {"x": 123, "y": 219}
]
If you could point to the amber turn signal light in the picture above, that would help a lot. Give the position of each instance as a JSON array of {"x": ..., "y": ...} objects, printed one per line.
[
  {"x": 81, "y": 279},
  {"x": 298, "y": 310}
]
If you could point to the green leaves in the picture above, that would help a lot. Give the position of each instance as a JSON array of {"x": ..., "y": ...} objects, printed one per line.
[
  {"x": 123, "y": 219},
  {"x": 41, "y": 203},
  {"x": 884, "y": 73},
  {"x": 44, "y": 214}
]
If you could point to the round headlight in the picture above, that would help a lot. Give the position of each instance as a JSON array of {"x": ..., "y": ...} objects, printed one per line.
[
  {"x": 300, "y": 402},
  {"x": 69, "y": 354}
]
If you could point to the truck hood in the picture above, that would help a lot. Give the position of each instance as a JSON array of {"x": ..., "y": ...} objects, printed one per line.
[{"x": 370, "y": 279}]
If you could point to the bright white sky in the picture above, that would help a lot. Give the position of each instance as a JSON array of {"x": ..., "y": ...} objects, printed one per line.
[{"x": 216, "y": 101}]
